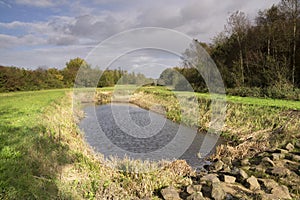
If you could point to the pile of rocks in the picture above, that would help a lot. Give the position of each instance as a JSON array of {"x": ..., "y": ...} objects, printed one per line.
[{"x": 269, "y": 175}]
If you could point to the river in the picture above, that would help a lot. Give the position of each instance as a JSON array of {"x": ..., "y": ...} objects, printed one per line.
[{"x": 120, "y": 130}]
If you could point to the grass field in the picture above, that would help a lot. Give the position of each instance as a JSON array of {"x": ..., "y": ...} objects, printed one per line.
[{"x": 20, "y": 125}]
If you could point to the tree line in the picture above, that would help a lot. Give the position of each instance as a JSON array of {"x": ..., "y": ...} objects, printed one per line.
[
  {"x": 19, "y": 79},
  {"x": 260, "y": 58}
]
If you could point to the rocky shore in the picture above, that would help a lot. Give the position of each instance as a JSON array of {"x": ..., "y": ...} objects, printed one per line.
[{"x": 272, "y": 174}]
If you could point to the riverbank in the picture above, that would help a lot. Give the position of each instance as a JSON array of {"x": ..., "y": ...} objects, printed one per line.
[
  {"x": 259, "y": 136},
  {"x": 43, "y": 156}
]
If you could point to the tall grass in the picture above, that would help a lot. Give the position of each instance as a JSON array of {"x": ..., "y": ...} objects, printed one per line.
[{"x": 43, "y": 156}]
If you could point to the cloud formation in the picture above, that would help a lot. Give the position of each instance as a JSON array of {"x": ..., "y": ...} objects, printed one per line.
[{"x": 80, "y": 24}]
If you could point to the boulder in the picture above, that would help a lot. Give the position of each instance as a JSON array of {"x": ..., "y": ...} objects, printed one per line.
[
  {"x": 252, "y": 183},
  {"x": 170, "y": 193}
]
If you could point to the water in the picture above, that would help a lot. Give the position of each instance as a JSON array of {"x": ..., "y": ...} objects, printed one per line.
[{"x": 127, "y": 130}]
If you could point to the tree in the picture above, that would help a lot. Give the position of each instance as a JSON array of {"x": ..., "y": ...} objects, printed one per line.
[
  {"x": 292, "y": 10},
  {"x": 237, "y": 25},
  {"x": 72, "y": 67}
]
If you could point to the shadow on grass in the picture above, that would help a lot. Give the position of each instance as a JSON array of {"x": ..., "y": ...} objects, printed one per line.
[{"x": 30, "y": 162}]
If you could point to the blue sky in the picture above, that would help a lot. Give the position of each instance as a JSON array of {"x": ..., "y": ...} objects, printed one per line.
[{"x": 47, "y": 33}]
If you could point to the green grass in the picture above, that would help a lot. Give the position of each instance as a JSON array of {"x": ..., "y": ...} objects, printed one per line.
[
  {"x": 20, "y": 125},
  {"x": 43, "y": 155}
]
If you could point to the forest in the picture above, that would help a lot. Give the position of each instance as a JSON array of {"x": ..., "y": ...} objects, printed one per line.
[{"x": 258, "y": 58}]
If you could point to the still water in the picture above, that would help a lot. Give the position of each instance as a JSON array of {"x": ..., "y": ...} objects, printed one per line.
[{"x": 127, "y": 130}]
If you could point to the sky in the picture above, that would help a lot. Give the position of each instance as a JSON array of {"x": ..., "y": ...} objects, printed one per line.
[{"x": 48, "y": 33}]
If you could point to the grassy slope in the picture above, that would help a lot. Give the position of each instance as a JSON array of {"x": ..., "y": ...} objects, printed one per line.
[
  {"x": 43, "y": 155},
  {"x": 20, "y": 121}
]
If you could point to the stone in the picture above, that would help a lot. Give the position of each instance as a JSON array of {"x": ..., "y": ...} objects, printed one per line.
[
  {"x": 279, "y": 171},
  {"x": 228, "y": 179},
  {"x": 196, "y": 196},
  {"x": 281, "y": 192},
  {"x": 212, "y": 178},
  {"x": 282, "y": 151},
  {"x": 290, "y": 147},
  {"x": 268, "y": 184},
  {"x": 170, "y": 193},
  {"x": 277, "y": 156},
  {"x": 226, "y": 169},
  {"x": 193, "y": 189},
  {"x": 245, "y": 162},
  {"x": 296, "y": 158},
  {"x": 217, "y": 192},
  {"x": 266, "y": 161},
  {"x": 240, "y": 174},
  {"x": 227, "y": 160},
  {"x": 217, "y": 166},
  {"x": 252, "y": 183}
]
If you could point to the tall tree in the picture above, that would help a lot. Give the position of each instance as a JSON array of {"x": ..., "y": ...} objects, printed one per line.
[
  {"x": 238, "y": 25},
  {"x": 291, "y": 8}
]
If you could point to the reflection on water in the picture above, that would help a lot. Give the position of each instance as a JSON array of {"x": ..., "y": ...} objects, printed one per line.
[{"x": 125, "y": 129}]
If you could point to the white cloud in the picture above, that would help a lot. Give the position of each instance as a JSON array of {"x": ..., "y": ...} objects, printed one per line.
[
  {"x": 36, "y": 3},
  {"x": 79, "y": 23}
]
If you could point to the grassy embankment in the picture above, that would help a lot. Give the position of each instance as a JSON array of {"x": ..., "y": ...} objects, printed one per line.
[
  {"x": 43, "y": 155},
  {"x": 251, "y": 124}
]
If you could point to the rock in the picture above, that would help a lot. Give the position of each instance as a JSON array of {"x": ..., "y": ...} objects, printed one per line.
[
  {"x": 235, "y": 191},
  {"x": 218, "y": 165},
  {"x": 268, "y": 184},
  {"x": 226, "y": 169},
  {"x": 193, "y": 189},
  {"x": 212, "y": 178},
  {"x": 228, "y": 179},
  {"x": 282, "y": 151},
  {"x": 266, "y": 161},
  {"x": 281, "y": 192},
  {"x": 170, "y": 193},
  {"x": 279, "y": 171},
  {"x": 227, "y": 160},
  {"x": 252, "y": 183},
  {"x": 259, "y": 168},
  {"x": 277, "y": 156},
  {"x": 196, "y": 196},
  {"x": 296, "y": 158},
  {"x": 245, "y": 162},
  {"x": 240, "y": 174},
  {"x": 217, "y": 192},
  {"x": 290, "y": 147}
]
